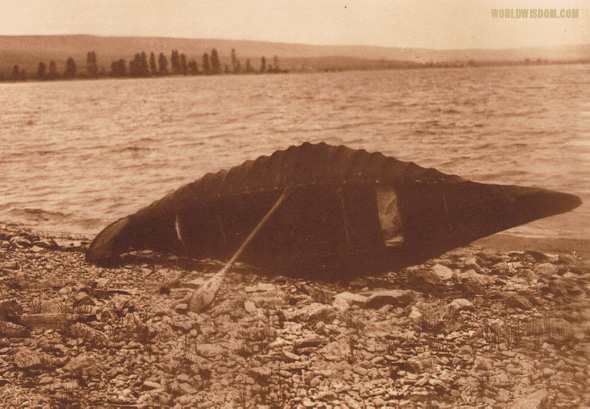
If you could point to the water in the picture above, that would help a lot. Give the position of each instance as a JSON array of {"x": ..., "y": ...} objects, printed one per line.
[{"x": 75, "y": 156}]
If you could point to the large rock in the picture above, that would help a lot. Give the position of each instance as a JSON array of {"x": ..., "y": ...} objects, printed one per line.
[
  {"x": 460, "y": 304},
  {"x": 27, "y": 359},
  {"x": 314, "y": 313},
  {"x": 345, "y": 300},
  {"x": 397, "y": 298},
  {"x": 546, "y": 269},
  {"x": 518, "y": 301},
  {"x": 424, "y": 280},
  {"x": 10, "y": 330},
  {"x": 10, "y": 308}
]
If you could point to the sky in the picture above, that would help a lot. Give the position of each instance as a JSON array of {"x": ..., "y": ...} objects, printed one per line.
[{"x": 437, "y": 24}]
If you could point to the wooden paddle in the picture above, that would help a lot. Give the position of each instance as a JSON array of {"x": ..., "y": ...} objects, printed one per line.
[{"x": 205, "y": 294}]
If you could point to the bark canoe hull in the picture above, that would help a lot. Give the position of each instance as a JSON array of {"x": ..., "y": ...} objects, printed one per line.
[{"x": 349, "y": 212}]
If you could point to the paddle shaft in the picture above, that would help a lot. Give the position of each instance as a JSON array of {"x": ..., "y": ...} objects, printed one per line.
[
  {"x": 206, "y": 294},
  {"x": 257, "y": 229}
]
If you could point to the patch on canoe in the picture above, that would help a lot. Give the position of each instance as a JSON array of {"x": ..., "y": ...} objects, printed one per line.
[{"x": 391, "y": 224}]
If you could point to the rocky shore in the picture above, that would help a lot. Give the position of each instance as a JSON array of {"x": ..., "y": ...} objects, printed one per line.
[{"x": 477, "y": 328}]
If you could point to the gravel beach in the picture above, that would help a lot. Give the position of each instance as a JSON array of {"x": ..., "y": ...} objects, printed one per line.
[{"x": 477, "y": 328}]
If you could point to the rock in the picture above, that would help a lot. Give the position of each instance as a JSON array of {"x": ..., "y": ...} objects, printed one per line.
[
  {"x": 9, "y": 265},
  {"x": 45, "y": 379},
  {"x": 88, "y": 333},
  {"x": 184, "y": 400},
  {"x": 443, "y": 272},
  {"x": 9, "y": 308},
  {"x": 196, "y": 283},
  {"x": 336, "y": 351},
  {"x": 181, "y": 308},
  {"x": 503, "y": 395},
  {"x": 518, "y": 301},
  {"x": 418, "y": 365},
  {"x": 260, "y": 373},
  {"x": 307, "y": 403},
  {"x": 535, "y": 400},
  {"x": 397, "y": 298},
  {"x": 423, "y": 280},
  {"x": 471, "y": 263},
  {"x": 11, "y": 330},
  {"x": 537, "y": 256},
  {"x": 460, "y": 304},
  {"x": 557, "y": 288},
  {"x": 546, "y": 269},
  {"x": 210, "y": 350},
  {"x": 420, "y": 396},
  {"x": 82, "y": 299},
  {"x": 81, "y": 362},
  {"x": 415, "y": 315},
  {"x": 345, "y": 300},
  {"x": 309, "y": 342},
  {"x": 526, "y": 274},
  {"x": 473, "y": 283},
  {"x": 472, "y": 276},
  {"x": 21, "y": 242},
  {"x": 260, "y": 287},
  {"x": 358, "y": 283},
  {"x": 27, "y": 359},
  {"x": 250, "y": 307},
  {"x": 46, "y": 244},
  {"x": 567, "y": 259},
  {"x": 151, "y": 385},
  {"x": 172, "y": 280},
  {"x": 290, "y": 356},
  {"x": 360, "y": 370},
  {"x": 187, "y": 388},
  {"x": 315, "y": 312}
]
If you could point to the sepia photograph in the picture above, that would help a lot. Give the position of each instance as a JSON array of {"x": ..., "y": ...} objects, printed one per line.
[{"x": 269, "y": 204}]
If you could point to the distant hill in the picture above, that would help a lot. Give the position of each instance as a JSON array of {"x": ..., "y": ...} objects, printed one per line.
[{"x": 28, "y": 51}]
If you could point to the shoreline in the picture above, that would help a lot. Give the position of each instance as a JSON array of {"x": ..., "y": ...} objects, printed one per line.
[
  {"x": 509, "y": 242},
  {"x": 476, "y": 327}
]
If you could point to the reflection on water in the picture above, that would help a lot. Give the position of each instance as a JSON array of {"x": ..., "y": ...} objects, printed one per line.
[{"x": 78, "y": 155}]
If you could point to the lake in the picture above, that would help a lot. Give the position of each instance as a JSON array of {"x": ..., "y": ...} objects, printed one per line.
[{"x": 75, "y": 156}]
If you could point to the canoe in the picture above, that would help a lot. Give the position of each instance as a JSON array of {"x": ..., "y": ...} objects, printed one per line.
[{"x": 348, "y": 212}]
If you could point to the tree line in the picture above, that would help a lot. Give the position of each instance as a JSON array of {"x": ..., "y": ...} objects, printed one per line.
[{"x": 144, "y": 66}]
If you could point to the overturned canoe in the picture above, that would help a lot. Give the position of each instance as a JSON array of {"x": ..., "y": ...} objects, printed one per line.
[{"x": 348, "y": 212}]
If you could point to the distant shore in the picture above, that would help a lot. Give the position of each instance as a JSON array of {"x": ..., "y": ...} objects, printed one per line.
[{"x": 329, "y": 65}]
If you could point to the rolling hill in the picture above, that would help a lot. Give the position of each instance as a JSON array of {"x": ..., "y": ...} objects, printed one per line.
[{"x": 28, "y": 51}]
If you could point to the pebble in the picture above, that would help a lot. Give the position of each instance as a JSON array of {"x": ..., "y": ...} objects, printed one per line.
[
  {"x": 443, "y": 272},
  {"x": 152, "y": 385},
  {"x": 250, "y": 307},
  {"x": 503, "y": 395},
  {"x": 461, "y": 304}
]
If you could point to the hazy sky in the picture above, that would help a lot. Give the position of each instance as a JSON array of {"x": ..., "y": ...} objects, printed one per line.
[{"x": 407, "y": 23}]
